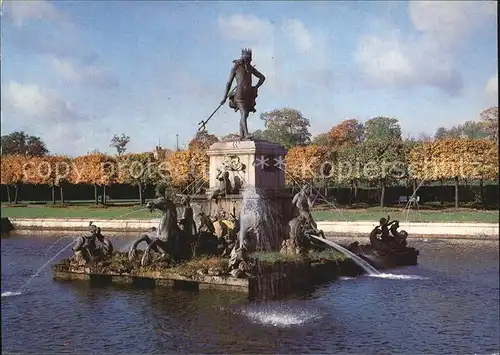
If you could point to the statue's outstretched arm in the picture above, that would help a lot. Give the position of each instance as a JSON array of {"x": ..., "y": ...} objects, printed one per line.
[
  {"x": 309, "y": 202},
  {"x": 259, "y": 75},
  {"x": 229, "y": 83}
]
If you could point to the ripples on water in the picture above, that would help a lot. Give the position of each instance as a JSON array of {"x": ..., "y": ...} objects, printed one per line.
[{"x": 446, "y": 304}]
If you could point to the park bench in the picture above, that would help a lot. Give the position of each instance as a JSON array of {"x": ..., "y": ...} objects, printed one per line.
[{"x": 413, "y": 200}]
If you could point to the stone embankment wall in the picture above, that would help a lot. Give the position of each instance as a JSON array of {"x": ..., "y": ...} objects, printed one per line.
[{"x": 332, "y": 227}]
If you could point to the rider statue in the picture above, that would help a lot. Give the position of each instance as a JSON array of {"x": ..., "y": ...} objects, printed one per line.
[
  {"x": 224, "y": 188},
  {"x": 244, "y": 97},
  {"x": 304, "y": 204},
  {"x": 94, "y": 245},
  {"x": 187, "y": 221}
]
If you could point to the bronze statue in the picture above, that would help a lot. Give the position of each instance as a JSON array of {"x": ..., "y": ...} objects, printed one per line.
[
  {"x": 304, "y": 204},
  {"x": 388, "y": 242},
  {"x": 170, "y": 238},
  {"x": 187, "y": 220},
  {"x": 86, "y": 247},
  {"x": 224, "y": 188},
  {"x": 399, "y": 237},
  {"x": 244, "y": 97},
  {"x": 384, "y": 226}
]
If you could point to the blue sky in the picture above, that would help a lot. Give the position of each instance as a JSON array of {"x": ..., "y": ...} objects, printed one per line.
[{"x": 76, "y": 72}]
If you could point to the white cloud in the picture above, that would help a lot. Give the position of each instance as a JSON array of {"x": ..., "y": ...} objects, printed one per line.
[
  {"x": 450, "y": 21},
  {"x": 246, "y": 28},
  {"x": 22, "y": 11},
  {"x": 393, "y": 61},
  {"x": 300, "y": 35},
  {"x": 32, "y": 102},
  {"x": 385, "y": 59},
  {"x": 389, "y": 58},
  {"x": 81, "y": 73},
  {"x": 491, "y": 89},
  {"x": 40, "y": 112}
]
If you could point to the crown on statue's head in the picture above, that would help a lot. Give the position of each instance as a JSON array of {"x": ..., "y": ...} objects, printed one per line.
[{"x": 246, "y": 52}]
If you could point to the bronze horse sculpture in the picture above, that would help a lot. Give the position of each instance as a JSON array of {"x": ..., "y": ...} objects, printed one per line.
[{"x": 170, "y": 238}]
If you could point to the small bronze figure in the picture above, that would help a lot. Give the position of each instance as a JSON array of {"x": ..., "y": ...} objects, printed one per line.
[
  {"x": 224, "y": 188},
  {"x": 187, "y": 220},
  {"x": 304, "y": 204}
]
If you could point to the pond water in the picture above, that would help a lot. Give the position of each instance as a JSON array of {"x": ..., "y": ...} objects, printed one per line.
[{"x": 451, "y": 307}]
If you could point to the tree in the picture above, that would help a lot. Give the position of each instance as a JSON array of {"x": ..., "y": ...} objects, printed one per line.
[
  {"x": 457, "y": 158},
  {"x": 137, "y": 170},
  {"x": 441, "y": 133},
  {"x": 13, "y": 173},
  {"x": 287, "y": 127},
  {"x": 94, "y": 169},
  {"x": 383, "y": 148},
  {"x": 20, "y": 143},
  {"x": 120, "y": 143},
  {"x": 382, "y": 128},
  {"x": 305, "y": 163},
  {"x": 179, "y": 167},
  {"x": 348, "y": 169},
  {"x": 322, "y": 140},
  {"x": 202, "y": 140},
  {"x": 230, "y": 137},
  {"x": 489, "y": 118},
  {"x": 470, "y": 130},
  {"x": 346, "y": 133},
  {"x": 383, "y": 162},
  {"x": 52, "y": 170}
]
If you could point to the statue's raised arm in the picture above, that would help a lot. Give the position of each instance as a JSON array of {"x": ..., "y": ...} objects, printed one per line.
[{"x": 259, "y": 75}]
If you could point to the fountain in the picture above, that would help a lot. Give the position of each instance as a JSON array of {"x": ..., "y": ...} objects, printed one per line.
[{"x": 252, "y": 235}]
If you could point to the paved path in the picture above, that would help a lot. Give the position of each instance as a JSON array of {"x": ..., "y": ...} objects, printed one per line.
[{"x": 331, "y": 227}]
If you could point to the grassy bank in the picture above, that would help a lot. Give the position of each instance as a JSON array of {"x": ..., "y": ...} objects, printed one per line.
[{"x": 365, "y": 214}]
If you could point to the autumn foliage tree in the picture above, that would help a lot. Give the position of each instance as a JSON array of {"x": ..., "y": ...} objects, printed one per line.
[
  {"x": 12, "y": 173},
  {"x": 137, "y": 170},
  {"x": 179, "y": 167},
  {"x": 347, "y": 133},
  {"x": 458, "y": 158},
  {"x": 52, "y": 170},
  {"x": 94, "y": 169},
  {"x": 307, "y": 163},
  {"x": 203, "y": 140}
]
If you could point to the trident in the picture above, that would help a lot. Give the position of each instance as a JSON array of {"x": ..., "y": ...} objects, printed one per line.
[{"x": 202, "y": 123}]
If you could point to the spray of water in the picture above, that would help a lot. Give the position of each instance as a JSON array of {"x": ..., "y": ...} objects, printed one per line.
[
  {"x": 409, "y": 203},
  {"x": 49, "y": 248},
  {"x": 370, "y": 270},
  {"x": 281, "y": 315},
  {"x": 21, "y": 289},
  {"x": 399, "y": 277},
  {"x": 130, "y": 212},
  {"x": 258, "y": 215}
]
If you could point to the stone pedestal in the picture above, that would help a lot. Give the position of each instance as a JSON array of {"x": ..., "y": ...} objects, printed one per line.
[
  {"x": 263, "y": 164},
  {"x": 258, "y": 164}
]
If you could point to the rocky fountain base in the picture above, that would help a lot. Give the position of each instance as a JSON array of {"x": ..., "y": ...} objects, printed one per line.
[{"x": 271, "y": 276}]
